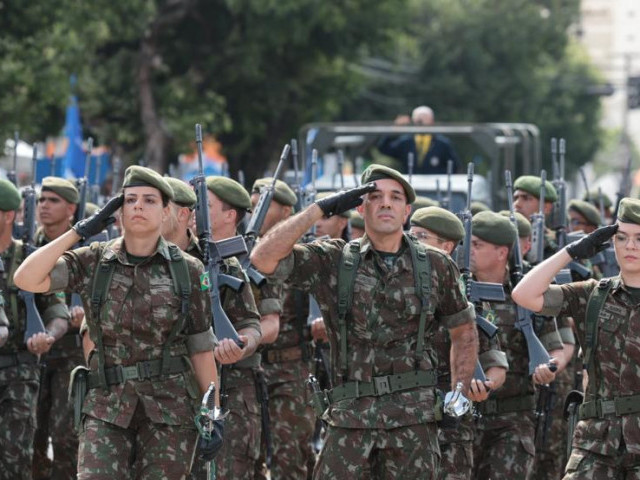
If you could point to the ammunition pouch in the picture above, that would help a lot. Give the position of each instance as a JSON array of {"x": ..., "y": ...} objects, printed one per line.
[
  {"x": 570, "y": 412},
  {"x": 78, "y": 387},
  {"x": 138, "y": 371},
  {"x": 617, "y": 406},
  {"x": 497, "y": 406}
]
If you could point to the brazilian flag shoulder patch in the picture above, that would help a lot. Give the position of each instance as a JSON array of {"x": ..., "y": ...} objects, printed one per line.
[
  {"x": 60, "y": 295},
  {"x": 205, "y": 283}
]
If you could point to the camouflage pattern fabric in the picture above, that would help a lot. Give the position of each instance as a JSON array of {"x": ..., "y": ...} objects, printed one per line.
[
  {"x": 18, "y": 401},
  {"x": 379, "y": 453},
  {"x": 151, "y": 420},
  {"x": 616, "y": 358},
  {"x": 504, "y": 444},
  {"x": 145, "y": 450},
  {"x": 20, "y": 384},
  {"x": 380, "y": 341},
  {"x": 587, "y": 465}
]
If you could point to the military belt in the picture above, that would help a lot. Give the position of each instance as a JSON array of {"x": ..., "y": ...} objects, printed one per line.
[
  {"x": 284, "y": 355},
  {"x": 138, "y": 371},
  {"x": 15, "y": 359},
  {"x": 495, "y": 406},
  {"x": 383, "y": 385},
  {"x": 618, "y": 406}
]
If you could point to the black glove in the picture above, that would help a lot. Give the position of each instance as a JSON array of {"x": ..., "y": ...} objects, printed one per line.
[
  {"x": 591, "y": 244},
  {"x": 342, "y": 201},
  {"x": 100, "y": 220},
  {"x": 208, "y": 449}
]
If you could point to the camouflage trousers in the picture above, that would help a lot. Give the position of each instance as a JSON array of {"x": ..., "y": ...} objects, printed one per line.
[
  {"x": 552, "y": 457},
  {"x": 18, "y": 401},
  {"x": 503, "y": 446},
  {"x": 144, "y": 451},
  {"x": 586, "y": 465},
  {"x": 456, "y": 450},
  {"x": 55, "y": 420},
  {"x": 242, "y": 430},
  {"x": 406, "y": 452},
  {"x": 292, "y": 422}
]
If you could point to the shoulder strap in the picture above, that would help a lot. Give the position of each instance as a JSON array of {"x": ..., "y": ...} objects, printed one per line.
[
  {"x": 16, "y": 260},
  {"x": 422, "y": 281},
  {"x": 594, "y": 307},
  {"x": 182, "y": 286},
  {"x": 346, "y": 278}
]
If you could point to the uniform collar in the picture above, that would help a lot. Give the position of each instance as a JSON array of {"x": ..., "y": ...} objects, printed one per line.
[{"x": 116, "y": 251}]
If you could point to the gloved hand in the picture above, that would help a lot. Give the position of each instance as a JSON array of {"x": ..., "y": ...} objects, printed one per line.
[
  {"x": 100, "y": 220},
  {"x": 208, "y": 449},
  {"x": 343, "y": 201},
  {"x": 591, "y": 244}
]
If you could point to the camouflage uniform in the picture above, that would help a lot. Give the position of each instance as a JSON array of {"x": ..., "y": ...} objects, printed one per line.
[
  {"x": 55, "y": 413},
  {"x": 20, "y": 373},
  {"x": 456, "y": 442},
  {"x": 504, "y": 444},
  {"x": 241, "y": 447},
  {"x": 393, "y": 434},
  {"x": 141, "y": 425},
  {"x": 286, "y": 367},
  {"x": 607, "y": 446}
]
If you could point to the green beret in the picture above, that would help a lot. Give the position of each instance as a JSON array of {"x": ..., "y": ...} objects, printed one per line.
[
  {"x": 477, "y": 207},
  {"x": 379, "y": 172},
  {"x": 320, "y": 195},
  {"x": 283, "y": 193},
  {"x": 629, "y": 210},
  {"x": 9, "y": 196},
  {"x": 531, "y": 184},
  {"x": 524, "y": 225},
  {"x": 90, "y": 209},
  {"x": 421, "y": 202},
  {"x": 440, "y": 221},
  {"x": 587, "y": 210},
  {"x": 230, "y": 191},
  {"x": 62, "y": 187},
  {"x": 137, "y": 176},
  {"x": 356, "y": 220},
  {"x": 183, "y": 194},
  {"x": 593, "y": 198},
  {"x": 494, "y": 228}
]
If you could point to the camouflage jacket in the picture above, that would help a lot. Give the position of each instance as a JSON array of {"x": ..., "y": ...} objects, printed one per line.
[
  {"x": 383, "y": 324},
  {"x": 138, "y": 314},
  {"x": 503, "y": 315},
  {"x": 49, "y": 306},
  {"x": 617, "y": 360},
  {"x": 240, "y": 306}
]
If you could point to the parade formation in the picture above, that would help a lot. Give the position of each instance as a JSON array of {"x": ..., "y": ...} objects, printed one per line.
[{"x": 201, "y": 330}]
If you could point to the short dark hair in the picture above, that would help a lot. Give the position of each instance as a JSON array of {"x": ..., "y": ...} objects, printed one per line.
[{"x": 240, "y": 212}]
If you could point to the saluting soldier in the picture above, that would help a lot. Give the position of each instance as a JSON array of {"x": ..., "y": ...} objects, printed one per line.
[
  {"x": 381, "y": 411},
  {"x": 606, "y": 439},
  {"x": 148, "y": 340},
  {"x": 19, "y": 369},
  {"x": 442, "y": 229},
  {"x": 57, "y": 206},
  {"x": 504, "y": 443}
]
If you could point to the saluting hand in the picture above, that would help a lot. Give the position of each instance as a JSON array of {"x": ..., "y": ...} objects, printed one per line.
[{"x": 342, "y": 201}]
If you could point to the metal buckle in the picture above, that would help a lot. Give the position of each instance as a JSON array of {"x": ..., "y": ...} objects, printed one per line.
[
  {"x": 607, "y": 407},
  {"x": 129, "y": 373},
  {"x": 143, "y": 370},
  {"x": 382, "y": 385}
]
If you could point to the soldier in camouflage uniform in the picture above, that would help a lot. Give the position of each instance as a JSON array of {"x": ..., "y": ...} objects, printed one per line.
[
  {"x": 504, "y": 443},
  {"x": 357, "y": 225},
  {"x": 57, "y": 205},
  {"x": 381, "y": 411},
  {"x": 441, "y": 229},
  {"x": 286, "y": 361},
  {"x": 606, "y": 441},
  {"x": 594, "y": 197},
  {"x": 149, "y": 348},
  {"x": 19, "y": 369},
  {"x": 226, "y": 209}
]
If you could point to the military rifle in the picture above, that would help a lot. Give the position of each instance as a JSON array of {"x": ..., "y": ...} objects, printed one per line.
[
  {"x": 11, "y": 176},
  {"x": 410, "y": 165},
  {"x": 624, "y": 189},
  {"x": 257, "y": 220},
  {"x": 34, "y": 320},
  {"x": 215, "y": 252},
  {"x": 477, "y": 292},
  {"x": 439, "y": 194},
  {"x": 585, "y": 183},
  {"x": 95, "y": 186},
  {"x": 297, "y": 188},
  {"x": 82, "y": 183}
]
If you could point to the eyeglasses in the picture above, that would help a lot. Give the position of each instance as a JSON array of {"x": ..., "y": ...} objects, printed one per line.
[
  {"x": 427, "y": 236},
  {"x": 622, "y": 239}
]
